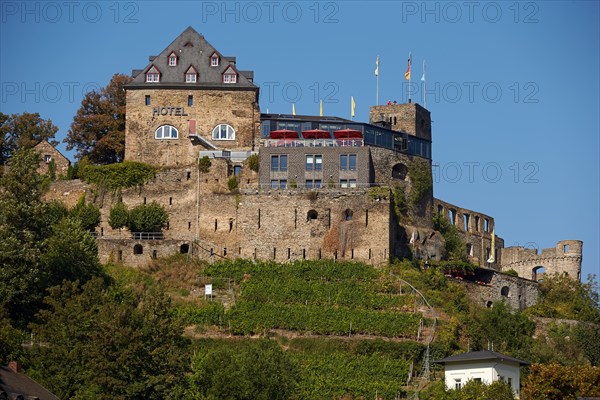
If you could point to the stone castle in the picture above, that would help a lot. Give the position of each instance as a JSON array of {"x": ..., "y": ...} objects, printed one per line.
[{"x": 325, "y": 187}]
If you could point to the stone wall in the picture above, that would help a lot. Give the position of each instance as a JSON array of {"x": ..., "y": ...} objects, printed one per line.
[
  {"x": 490, "y": 287},
  {"x": 476, "y": 230},
  {"x": 69, "y": 192},
  {"x": 564, "y": 258},
  {"x": 237, "y": 108},
  {"x": 138, "y": 253}
]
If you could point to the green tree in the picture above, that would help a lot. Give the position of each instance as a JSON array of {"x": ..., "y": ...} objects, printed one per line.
[
  {"x": 455, "y": 246},
  {"x": 509, "y": 331},
  {"x": 119, "y": 216},
  {"x": 258, "y": 371},
  {"x": 557, "y": 382},
  {"x": 148, "y": 218},
  {"x": 108, "y": 342},
  {"x": 204, "y": 164},
  {"x": 70, "y": 253},
  {"x": 23, "y": 131},
  {"x": 10, "y": 340},
  {"x": 253, "y": 162},
  {"x": 98, "y": 129},
  {"x": 587, "y": 337},
  {"x": 564, "y": 297},
  {"x": 87, "y": 214}
]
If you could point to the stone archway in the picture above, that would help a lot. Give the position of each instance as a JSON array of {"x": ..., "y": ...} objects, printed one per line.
[{"x": 537, "y": 273}]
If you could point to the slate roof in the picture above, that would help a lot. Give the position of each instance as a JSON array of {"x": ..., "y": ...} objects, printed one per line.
[
  {"x": 479, "y": 356},
  {"x": 16, "y": 383},
  {"x": 191, "y": 49}
]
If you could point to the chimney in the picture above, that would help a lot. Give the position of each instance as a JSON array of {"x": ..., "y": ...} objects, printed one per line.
[{"x": 15, "y": 366}]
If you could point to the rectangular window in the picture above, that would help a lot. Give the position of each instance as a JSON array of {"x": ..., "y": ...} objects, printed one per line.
[
  {"x": 172, "y": 61},
  {"x": 352, "y": 162},
  {"x": 314, "y": 162},
  {"x": 147, "y": 99},
  {"x": 229, "y": 78},
  {"x": 477, "y": 380},
  {"x": 313, "y": 184},
  {"x": 457, "y": 384},
  {"x": 477, "y": 223},
  {"x": 486, "y": 225},
  {"x": 347, "y": 162},
  {"x": 190, "y": 78},
  {"x": 310, "y": 161},
  {"x": 343, "y": 162},
  {"x": 47, "y": 158},
  {"x": 278, "y": 184},
  {"x": 279, "y": 163},
  {"x": 347, "y": 183},
  {"x": 510, "y": 382},
  {"x": 190, "y": 100},
  {"x": 214, "y": 61},
  {"x": 152, "y": 77}
]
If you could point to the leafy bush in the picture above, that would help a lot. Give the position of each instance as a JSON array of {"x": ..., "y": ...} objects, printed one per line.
[
  {"x": 87, "y": 214},
  {"x": 118, "y": 176},
  {"x": 379, "y": 192},
  {"x": 119, "y": 216},
  {"x": 148, "y": 218},
  {"x": 253, "y": 162},
  {"x": 232, "y": 183},
  {"x": 204, "y": 164},
  {"x": 455, "y": 246}
]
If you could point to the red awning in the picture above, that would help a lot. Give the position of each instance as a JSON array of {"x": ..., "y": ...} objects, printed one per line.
[
  {"x": 348, "y": 134},
  {"x": 283, "y": 134},
  {"x": 316, "y": 134}
]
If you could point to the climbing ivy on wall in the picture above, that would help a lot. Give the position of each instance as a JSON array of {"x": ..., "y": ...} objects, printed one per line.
[
  {"x": 422, "y": 183},
  {"x": 114, "y": 177}
]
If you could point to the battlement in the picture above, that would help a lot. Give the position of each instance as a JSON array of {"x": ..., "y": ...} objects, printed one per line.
[{"x": 565, "y": 258}]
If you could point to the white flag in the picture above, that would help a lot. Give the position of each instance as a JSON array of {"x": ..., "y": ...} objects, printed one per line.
[{"x": 377, "y": 66}]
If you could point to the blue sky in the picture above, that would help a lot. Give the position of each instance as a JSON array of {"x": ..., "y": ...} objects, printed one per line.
[{"x": 513, "y": 87}]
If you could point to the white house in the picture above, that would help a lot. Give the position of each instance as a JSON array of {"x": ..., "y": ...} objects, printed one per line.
[{"x": 482, "y": 366}]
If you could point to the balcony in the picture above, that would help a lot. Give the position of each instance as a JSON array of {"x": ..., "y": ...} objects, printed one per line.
[{"x": 313, "y": 142}]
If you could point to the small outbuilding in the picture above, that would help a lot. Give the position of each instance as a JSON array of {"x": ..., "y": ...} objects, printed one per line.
[{"x": 482, "y": 366}]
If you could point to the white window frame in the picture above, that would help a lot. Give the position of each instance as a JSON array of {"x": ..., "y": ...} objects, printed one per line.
[
  {"x": 190, "y": 78},
  {"x": 214, "y": 61},
  {"x": 161, "y": 132},
  {"x": 152, "y": 77},
  {"x": 219, "y": 134},
  {"x": 229, "y": 78},
  {"x": 172, "y": 60}
]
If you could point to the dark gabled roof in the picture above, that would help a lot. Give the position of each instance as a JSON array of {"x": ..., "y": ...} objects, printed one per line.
[
  {"x": 191, "y": 49},
  {"x": 15, "y": 383},
  {"x": 480, "y": 356}
]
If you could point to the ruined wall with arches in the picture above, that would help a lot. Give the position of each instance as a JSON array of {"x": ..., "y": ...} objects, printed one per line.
[{"x": 564, "y": 258}]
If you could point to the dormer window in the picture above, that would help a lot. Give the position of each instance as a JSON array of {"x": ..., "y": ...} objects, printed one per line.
[
  {"x": 191, "y": 75},
  {"x": 172, "y": 59},
  {"x": 214, "y": 60},
  {"x": 153, "y": 75},
  {"x": 230, "y": 76}
]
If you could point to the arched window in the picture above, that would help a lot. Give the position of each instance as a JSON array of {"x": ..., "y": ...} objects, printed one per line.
[
  {"x": 166, "y": 132},
  {"x": 312, "y": 214},
  {"x": 138, "y": 249},
  {"x": 504, "y": 291},
  {"x": 223, "y": 132}
]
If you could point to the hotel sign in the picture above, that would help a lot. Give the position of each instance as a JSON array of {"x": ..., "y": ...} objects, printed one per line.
[{"x": 177, "y": 111}]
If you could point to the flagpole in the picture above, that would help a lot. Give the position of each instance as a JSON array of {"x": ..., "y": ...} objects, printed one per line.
[
  {"x": 424, "y": 86},
  {"x": 409, "y": 74},
  {"x": 377, "y": 81}
]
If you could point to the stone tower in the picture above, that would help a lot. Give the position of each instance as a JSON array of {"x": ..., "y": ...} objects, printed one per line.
[{"x": 409, "y": 117}]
